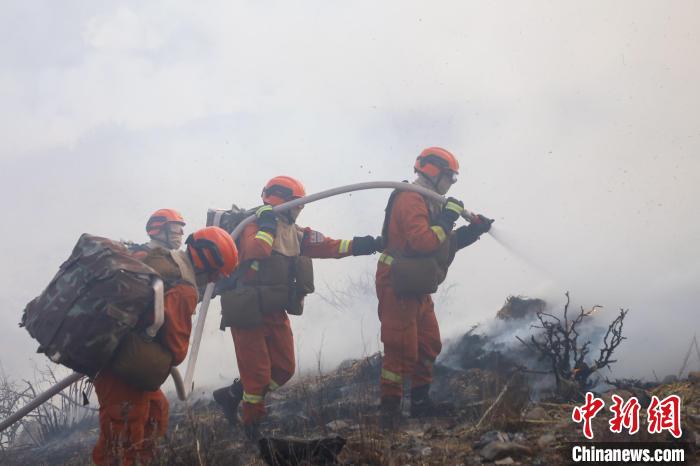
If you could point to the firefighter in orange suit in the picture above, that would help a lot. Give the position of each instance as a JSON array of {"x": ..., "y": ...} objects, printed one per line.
[
  {"x": 265, "y": 353},
  {"x": 165, "y": 228},
  {"x": 415, "y": 226},
  {"x": 132, "y": 419}
]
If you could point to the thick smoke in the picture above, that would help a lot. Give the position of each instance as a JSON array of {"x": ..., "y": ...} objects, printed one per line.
[{"x": 576, "y": 128}]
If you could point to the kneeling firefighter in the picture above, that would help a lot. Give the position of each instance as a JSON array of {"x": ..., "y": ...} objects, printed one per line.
[
  {"x": 276, "y": 274},
  {"x": 419, "y": 245},
  {"x": 134, "y": 414},
  {"x": 165, "y": 230}
]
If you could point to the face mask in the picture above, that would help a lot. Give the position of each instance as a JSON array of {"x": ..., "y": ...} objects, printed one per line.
[
  {"x": 444, "y": 184},
  {"x": 175, "y": 233}
]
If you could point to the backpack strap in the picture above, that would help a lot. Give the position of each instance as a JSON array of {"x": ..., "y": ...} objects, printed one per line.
[
  {"x": 387, "y": 216},
  {"x": 158, "y": 307},
  {"x": 185, "y": 266}
]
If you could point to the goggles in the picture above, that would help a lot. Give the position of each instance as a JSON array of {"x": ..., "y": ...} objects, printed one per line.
[
  {"x": 176, "y": 228},
  {"x": 441, "y": 163},
  {"x": 280, "y": 191}
]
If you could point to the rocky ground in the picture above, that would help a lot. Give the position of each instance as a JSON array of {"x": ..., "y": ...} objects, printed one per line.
[
  {"x": 494, "y": 421},
  {"x": 498, "y": 413}
]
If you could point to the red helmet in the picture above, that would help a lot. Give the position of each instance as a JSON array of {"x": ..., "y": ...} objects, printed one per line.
[
  {"x": 160, "y": 218},
  {"x": 281, "y": 189},
  {"x": 435, "y": 160},
  {"x": 211, "y": 249}
]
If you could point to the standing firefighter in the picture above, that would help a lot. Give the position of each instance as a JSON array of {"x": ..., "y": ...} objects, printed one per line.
[
  {"x": 276, "y": 275},
  {"x": 131, "y": 418},
  {"x": 165, "y": 228},
  {"x": 419, "y": 245}
]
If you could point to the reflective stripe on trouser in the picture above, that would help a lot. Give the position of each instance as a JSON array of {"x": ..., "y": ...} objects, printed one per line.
[
  {"x": 391, "y": 376},
  {"x": 265, "y": 356},
  {"x": 411, "y": 338},
  {"x": 254, "y": 399},
  {"x": 273, "y": 386}
]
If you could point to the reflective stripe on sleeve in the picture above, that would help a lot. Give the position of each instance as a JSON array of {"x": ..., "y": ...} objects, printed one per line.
[
  {"x": 253, "y": 399},
  {"x": 439, "y": 232},
  {"x": 391, "y": 376},
  {"x": 454, "y": 207},
  {"x": 265, "y": 236},
  {"x": 386, "y": 259},
  {"x": 263, "y": 209},
  {"x": 344, "y": 246},
  {"x": 273, "y": 386}
]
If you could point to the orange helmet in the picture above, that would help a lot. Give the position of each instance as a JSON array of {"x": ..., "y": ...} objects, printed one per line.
[
  {"x": 211, "y": 249},
  {"x": 160, "y": 218},
  {"x": 281, "y": 189},
  {"x": 435, "y": 160}
]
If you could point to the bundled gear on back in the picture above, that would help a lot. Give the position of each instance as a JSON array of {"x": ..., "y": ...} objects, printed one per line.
[
  {"x": 97, "y": 297},
  {"x": 104, "y": 307}
]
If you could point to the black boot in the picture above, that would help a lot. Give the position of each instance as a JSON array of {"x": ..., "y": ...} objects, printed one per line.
[
  {"x": 229, "y": 398},
  {"x": 423, "y": 406},
  {"x": 390, "y": 412}
]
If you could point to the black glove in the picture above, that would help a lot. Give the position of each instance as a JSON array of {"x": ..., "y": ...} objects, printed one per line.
[
  {"x": 365, "y": 245},
  {"x": 450, "y": 213},
  {"x": 266, "y": 219},
  {"x": 482, "y": 224},
  {"x": 467, "y": 234}
]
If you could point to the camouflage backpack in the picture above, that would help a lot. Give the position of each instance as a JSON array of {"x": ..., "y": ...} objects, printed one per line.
[
  {"x": 98, "y": 296},
  {"x": 138, "y": 250}
]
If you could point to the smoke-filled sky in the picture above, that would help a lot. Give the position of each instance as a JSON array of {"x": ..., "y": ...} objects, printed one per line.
[{"x": 577, "y": 126}]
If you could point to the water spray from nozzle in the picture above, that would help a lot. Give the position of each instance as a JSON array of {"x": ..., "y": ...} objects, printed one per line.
[{"x": 508, "y": 244}]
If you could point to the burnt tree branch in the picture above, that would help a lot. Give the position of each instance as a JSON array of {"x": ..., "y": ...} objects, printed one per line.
[{"x": 558, "y": 342}]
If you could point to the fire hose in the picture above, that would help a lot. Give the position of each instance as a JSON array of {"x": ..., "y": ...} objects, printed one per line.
[
  {"x": 202, "y": 314},
  {"x": 185, "y": 388}
]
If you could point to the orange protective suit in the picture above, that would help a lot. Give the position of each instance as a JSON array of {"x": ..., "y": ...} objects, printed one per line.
[
  {"x": 409, "y": 329},
  {"x": 131, "y": 419},
  {"x": 265, "y": 354}
]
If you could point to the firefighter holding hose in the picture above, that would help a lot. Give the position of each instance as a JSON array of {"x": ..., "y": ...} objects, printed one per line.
[
  {"x": 276, "y": 275},
  {"x": 419, "y": 245}
]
